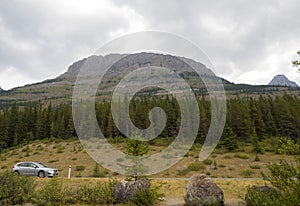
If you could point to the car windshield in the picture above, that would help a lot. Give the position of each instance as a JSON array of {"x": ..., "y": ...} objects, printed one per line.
[{"x": 42, "y": 165}]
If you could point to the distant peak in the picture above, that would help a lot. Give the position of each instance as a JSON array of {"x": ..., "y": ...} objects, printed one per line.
[{"x": 282, "y": 80}]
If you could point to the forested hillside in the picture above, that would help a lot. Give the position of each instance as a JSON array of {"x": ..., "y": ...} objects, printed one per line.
[{"x": 247, "y": 118}]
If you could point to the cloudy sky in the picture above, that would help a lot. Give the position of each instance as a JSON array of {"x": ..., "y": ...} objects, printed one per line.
[{"x": 247, "y": 41}]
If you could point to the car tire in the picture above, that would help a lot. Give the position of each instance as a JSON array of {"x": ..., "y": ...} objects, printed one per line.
[
  {"x": 41, "y": 174},
  {"x": 17, "y": 172}
]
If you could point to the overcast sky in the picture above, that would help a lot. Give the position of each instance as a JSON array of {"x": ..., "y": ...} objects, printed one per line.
[{"x": 247, "y": 41}]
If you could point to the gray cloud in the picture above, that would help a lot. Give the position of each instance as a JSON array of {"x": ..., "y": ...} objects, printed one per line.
[{"x": 248, "y": 41}]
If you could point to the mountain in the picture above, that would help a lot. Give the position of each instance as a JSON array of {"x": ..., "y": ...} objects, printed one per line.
[
  {"x": 1, "y": 89},
  {"x": 282, "y": 80},
  {"x": 60, "y": 89}
]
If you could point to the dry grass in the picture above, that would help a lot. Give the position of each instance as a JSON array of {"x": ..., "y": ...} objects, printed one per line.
[
  {"x": 174, "y": 190},
  {"x": 61, "y": 155}
]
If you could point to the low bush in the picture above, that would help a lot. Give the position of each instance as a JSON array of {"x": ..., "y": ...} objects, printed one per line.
[
  {"x": 241, "y": 156},
  {"x": 207, "y": 161},
  {"x": 51, "y": 193},
  {"x": 285, "y": 179},
  {"x": 79, "y": 168},
  {"x": 288, "y": 146},
  {"x": 148, "y": 197},
  {"x": 255, "y": 167},
  {"x": 15, "y": 189},
  {"x": 96, "y": 194},
  {"x": 196, "y": 166},
  {"x": 247, "y": 173}
]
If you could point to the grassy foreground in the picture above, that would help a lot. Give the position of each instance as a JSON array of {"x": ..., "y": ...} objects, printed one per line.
[{"x": 174, "y": 190}]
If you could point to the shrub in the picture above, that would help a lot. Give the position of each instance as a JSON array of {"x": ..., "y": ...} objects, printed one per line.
[
  {"x": 288, "y": 146},
  {"x": 284, "y": 177},
  {"x": 256, "y": 159},
  {"x": 255, "y": 167},
  {"x": 52, "y": 161},
  {"x": 227, "y": 157},
  {"x": 97, "y": 172},
  {"x": 15, "y": 189},
  {"x": 207, "y": 161},
  {"x": 183, "y": 172},
  {"x": 261, "y": 196},
  {"x": 96, "y": 194},
  {"x": 196, "y": 166},
  {"x": 247, "y": 173},
  {"x": 147, "y": 197},
  {"x": 241, "y": 156},
  {"x": 51, "y": 193},
  {"x": 79, "y": 168}
]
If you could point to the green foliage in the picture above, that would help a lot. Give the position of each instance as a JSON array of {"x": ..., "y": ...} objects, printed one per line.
[
  {"x": 229, "y": 140},
  {"x": 96, "y": 194},
  {"x": 51, "y": 193},
  {"x": 288, "y": 146},
  {"x": 79, "y": 168},
  {"x": 246, "y": 117},
  {"x": 284, "y": 177},
  {"x": 97, "y": 172},
  {"x": 196, "y": 166},
  {"x": 247, "y": 173},
  {"x": 255, "y": 197},
  {"x": 183, "y": 172},
  {"x": 15, "y": 189},
  {"x": 256, "y": 159},
  {"x": 255, "y": 167},
  {"x": 136, "y": 148},
  {"x": 296, "y": 63},
  {"x": 242, "y": 156},
  {"x": 148, "y": 197},
  {"x": 207, "y": 161}
]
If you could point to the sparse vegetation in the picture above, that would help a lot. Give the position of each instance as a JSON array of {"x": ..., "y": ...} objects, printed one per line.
[
  {"x": 241, "y": 156},
  {"x": 284, "y": 177},
  {"x": 79, "y": 168}
]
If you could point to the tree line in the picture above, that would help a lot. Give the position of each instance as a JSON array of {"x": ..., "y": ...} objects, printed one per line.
[{"x": 247, "y": 119}]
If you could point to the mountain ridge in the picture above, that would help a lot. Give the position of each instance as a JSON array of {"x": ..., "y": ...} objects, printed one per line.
[
  {"x": 60, "y": 89},
  {"x": 282, "y": 80}
]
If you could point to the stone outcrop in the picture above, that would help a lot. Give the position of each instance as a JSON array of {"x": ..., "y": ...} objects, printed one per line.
[
  {"x": 201, "y": 190},
  {"x": 124, "y": 191}
]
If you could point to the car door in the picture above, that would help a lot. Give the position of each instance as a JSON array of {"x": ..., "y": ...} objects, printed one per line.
[
  {"x": 24, "y": 168},
  {"x": 31, "y": 169}
]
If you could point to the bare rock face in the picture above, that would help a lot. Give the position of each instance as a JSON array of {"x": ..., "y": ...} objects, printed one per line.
[
  {"x": 202, "y": 191},
  {"x": 124, "y": 191}
]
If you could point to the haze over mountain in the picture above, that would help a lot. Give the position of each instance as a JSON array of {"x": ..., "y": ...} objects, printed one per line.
[{"x": 282, "y": 80}]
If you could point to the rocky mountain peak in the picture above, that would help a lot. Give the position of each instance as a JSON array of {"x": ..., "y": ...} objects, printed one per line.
[{"x": 282, "y": 80}]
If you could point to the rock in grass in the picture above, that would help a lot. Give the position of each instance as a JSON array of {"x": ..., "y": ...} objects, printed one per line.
[
  {"x": 202, "y": 191},
  {"x": 124, "y": 191}
]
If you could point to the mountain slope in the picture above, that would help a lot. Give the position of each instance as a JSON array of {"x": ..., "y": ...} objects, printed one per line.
[
  {"x": 60, "y": 89},
  {"x": 282, "y": 80}
]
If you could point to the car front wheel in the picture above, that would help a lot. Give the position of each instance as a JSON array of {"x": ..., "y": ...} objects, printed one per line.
[{"x": 41, "y": 174}]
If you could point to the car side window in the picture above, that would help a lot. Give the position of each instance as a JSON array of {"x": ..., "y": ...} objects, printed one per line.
[
  {"x": 33, "y": 165},
  {"x": 22, "y": 165}
]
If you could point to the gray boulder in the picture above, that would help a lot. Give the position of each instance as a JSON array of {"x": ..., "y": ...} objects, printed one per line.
[
  {"x": 124, "y": 191},
  {"x": 202, "y": 191}
]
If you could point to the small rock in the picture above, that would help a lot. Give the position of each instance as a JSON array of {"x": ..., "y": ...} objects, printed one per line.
[
  {"x": 124, "y": 191},
  {"x": 202, "y": 191}
]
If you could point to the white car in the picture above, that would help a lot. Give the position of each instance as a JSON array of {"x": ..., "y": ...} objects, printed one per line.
[{"x": 34, "y": 169}]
